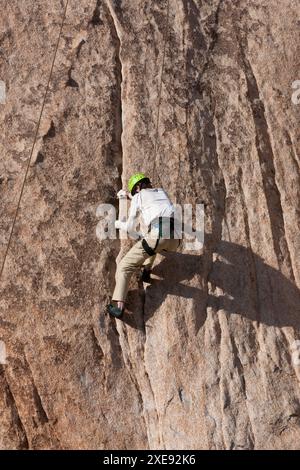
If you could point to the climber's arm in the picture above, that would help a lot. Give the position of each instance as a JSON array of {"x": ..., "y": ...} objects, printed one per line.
[{"x": 130, "y": 224}]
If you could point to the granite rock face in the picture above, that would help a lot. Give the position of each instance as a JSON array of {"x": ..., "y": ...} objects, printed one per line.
[{"x": 200, "y": 96}]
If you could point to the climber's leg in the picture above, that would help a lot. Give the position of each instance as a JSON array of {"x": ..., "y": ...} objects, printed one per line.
[
  {"x": 135, "y": 258},
  {"x": 147, "y": 269},
  {"x": 116, "y": 310},
  {"x": 132, "y": 260},
  {"x": 149, "y": 262},
  {"x": 167, "y": 244},
  {"x": 163, "y": 244}
]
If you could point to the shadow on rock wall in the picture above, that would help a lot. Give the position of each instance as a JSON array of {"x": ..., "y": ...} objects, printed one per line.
[{"x": 241, "y": 283}]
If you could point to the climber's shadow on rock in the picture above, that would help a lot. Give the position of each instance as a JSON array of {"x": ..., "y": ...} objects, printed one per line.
[
  {"x": 240, "y": 282},
  {"x": 178, "y": 275},
  {"x": 245, "y": 285}
]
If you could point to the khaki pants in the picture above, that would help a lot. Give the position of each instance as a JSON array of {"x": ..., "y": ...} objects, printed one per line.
[{"x": 137, "y": 257}]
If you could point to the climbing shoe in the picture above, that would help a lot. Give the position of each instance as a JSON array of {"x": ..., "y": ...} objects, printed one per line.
[
  {"x": 146, "y": 275},
  {"x": 115, "y": 311}
]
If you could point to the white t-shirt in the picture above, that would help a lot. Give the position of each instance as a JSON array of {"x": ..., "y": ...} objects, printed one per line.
[{"x": 150, "y": 204}]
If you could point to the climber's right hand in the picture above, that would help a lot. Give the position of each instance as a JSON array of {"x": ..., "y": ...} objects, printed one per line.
[{"x": 122, "y": 194}]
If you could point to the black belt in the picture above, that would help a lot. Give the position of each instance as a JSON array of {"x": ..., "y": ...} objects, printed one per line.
[{"x": 147, "y": 248}]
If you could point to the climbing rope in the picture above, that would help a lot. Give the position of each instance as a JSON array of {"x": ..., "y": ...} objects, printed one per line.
[
  {"x": 160, "y": 90},
  {"x": 34, "y": 142}
]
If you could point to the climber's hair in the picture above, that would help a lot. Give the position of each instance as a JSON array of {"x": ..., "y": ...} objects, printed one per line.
[{"x": 143, "y": 184}]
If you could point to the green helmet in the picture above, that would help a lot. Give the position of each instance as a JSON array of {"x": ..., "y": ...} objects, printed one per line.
[{"x": 134, "y": 180}]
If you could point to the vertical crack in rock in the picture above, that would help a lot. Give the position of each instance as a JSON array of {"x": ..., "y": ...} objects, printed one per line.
[
  {"x": 253, "y": 272},
  {"x": 97, "y": 347},
  {"x": 215, "y": 31},
  {"x": 239, "y": 366},
  {"x": 214, "y": 36},
  {"x": 217, "y": 213},
  {"x": 129, "y": 364},
  {"x": 266, "y": 159},
  {"x": 143, "y": 291},
  {"x": 42, "y": 415},
  {"x": 118, "y": 135},
  {"x": 40, "y": 410},
  {"x": 116, "y": 144},
  {"x": 15, "y": 418},
  {"x": 293, "y": 152},
  {"x": 220, "y": 202},
  {"x": 161, "y": 441},
  {"x": 146, "y": 374}
]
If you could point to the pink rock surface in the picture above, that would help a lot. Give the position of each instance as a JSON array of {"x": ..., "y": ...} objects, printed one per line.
[{"x": 206, "y": 358}]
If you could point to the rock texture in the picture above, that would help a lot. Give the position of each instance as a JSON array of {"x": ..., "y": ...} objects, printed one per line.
[{"x": 204, "y": 360}]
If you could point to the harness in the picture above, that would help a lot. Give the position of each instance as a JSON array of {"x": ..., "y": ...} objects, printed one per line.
[{"x": 161, "y": 220}]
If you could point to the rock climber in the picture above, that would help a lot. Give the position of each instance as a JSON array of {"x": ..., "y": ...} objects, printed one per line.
[{"x": 157, "y": 212}]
